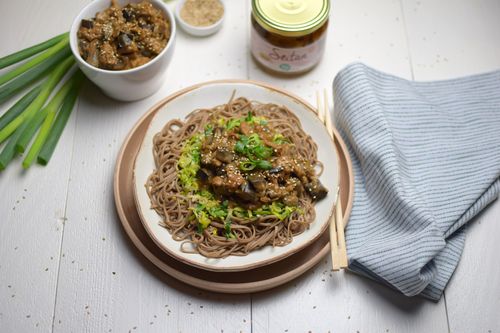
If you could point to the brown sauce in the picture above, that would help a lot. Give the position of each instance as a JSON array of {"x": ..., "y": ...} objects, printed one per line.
[
  {"x": 120, "y": 38},
  {"x": 274, "y": 171}
]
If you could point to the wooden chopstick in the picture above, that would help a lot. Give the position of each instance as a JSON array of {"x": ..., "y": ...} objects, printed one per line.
[{"x": 337, "y": 238}]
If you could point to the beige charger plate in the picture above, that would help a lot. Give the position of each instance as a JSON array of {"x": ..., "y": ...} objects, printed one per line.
[{"x": 257, "y": 279}]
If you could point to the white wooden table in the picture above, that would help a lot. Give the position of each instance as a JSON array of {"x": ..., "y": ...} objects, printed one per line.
[{"x": 67, "y": 266}]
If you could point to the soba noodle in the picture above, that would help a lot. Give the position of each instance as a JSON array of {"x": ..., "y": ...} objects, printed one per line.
[{"x": 170, "y": 201}]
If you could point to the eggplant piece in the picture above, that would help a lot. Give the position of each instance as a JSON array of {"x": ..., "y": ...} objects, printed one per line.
[
  {"x": 258, "y": 182},
  {"x": 146, "y": 26},
  {"x": 124, "y": 40},
  {"x": 277, "y": 169},
  {"x": 224, "y": 155},
  {"x": 316, "y": 190},
  {"x": 89, "y": 24},
  {"x": 146, "y": 53},
  {"x": 204, "y": 175},
  {"x": 247, "y": 193},
  {"x": 128, "y": 13}
]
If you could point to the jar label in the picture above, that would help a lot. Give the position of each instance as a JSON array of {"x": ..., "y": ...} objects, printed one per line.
[{"x": 288, "y": 60}]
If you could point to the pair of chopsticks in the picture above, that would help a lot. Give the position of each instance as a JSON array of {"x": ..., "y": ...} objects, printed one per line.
[{"x": 337, "y": 238}]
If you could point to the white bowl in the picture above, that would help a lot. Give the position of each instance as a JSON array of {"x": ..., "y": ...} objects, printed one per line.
[
  {"x": 197, "y": 30},
  {"x": 131, "y": 84},
  {"x": 214, "y": 93}
]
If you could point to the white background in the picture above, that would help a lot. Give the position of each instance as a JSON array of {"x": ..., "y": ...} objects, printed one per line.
[{"x": 67, "y": 266}]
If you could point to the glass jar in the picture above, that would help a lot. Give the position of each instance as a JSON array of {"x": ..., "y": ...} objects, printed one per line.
[{"x": 289, "y": 36}]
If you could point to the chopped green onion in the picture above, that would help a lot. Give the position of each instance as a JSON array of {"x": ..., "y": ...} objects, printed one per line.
[
  {"x": 264, "y": 165},
  {"x": 35, "y": 61},
  {"x": 249, "y": 117},
  {"x": 232, "y": 123},
  {"x": 280, "y": 139},
  {"x": 35, "y": 73},
  {"x": 262, "y": 151},
  {"x": 29, "y": 51},
  {"x": 51, "y": 107},
  {"x": 247, "y": 165},
  {"x": 19, "y": 107},
  {"x": 38, "y": 102},
  {"x": 59, "y": 124},
  {"x": 209, "y": 130}
]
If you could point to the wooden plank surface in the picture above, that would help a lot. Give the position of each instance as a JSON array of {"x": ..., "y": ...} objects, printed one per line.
[
  {"x": 103, "y": 284},
  {"x": 32, "y": 203},
  {"x": 323, "y": 301},
  {"x": 449, "y": 39}
]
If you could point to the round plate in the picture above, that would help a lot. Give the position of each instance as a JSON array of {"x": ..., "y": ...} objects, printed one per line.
[
  {"x": 233, "y": 282},
  {"x": 210, "y": 94}
]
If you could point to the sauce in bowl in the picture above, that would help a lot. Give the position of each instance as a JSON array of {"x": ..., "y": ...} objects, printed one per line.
[{"x": 120, "y": 38}]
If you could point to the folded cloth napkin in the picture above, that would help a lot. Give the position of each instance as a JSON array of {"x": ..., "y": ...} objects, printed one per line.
[{"x": 426, "y": 160}]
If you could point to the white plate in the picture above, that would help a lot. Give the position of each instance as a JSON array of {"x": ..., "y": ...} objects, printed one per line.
[{"x": 215, "y": 93}]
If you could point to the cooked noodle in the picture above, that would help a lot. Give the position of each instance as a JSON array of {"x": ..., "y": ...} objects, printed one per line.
[{"x": 175, "y": 207}]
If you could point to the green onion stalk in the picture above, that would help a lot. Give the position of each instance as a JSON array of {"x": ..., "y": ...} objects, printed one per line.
[
  {"x": 35, "y": 61},
  {"x": 33, "y": 74},
  {"x": 19, "y": 107},
  {"x": 28, "y": 52},
  {"x": 38, "y": 102},
  {"x": 55, "y": 133},
  {"x": 52, "y": 107},
  {"x": 71, "y": 86}
]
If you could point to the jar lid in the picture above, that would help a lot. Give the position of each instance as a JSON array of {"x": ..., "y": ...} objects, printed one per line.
[{"x": 291, "y": 17}]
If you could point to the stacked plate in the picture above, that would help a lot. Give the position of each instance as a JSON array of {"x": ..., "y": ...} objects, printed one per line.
[{"x": 261, "y": 269}]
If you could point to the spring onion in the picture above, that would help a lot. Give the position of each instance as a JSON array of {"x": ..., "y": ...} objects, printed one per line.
[
  {"x": 35, "y": 61},
  {"x": 28, "y": 52},
  {"x": 55, "y": 133},
  {"x": 19, "y": 107},
  {"x": 38, "y": 102},
  {"x": 51, "y": 108},
  {"x": 9, "y": 151},
  {"x": 35, "y": 73}
]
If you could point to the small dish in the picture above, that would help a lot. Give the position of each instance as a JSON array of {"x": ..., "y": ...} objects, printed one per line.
[
  {"x": 130, "y": 84},
  {"x": 198, "y": 31},
  {"x": 215, "y": 93}
]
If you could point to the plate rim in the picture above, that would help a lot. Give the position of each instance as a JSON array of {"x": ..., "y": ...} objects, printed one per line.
[
  {"x": 221, "y": 287},
  {"x": 251, "y": 265}
]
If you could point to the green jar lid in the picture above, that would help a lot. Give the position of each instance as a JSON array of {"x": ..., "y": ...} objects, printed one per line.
[{"x": 291, "y": 17}]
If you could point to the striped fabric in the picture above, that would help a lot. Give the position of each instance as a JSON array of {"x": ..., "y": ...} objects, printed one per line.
[{"x": 426, "y": 158}]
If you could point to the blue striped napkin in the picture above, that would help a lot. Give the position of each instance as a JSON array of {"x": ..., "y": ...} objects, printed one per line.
[{"x": 426, "y": 158}]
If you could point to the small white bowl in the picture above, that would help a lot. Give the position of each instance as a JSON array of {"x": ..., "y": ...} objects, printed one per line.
[
  {"x": 130, "y": 84},
  {"x": 197, "y": 30}
]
